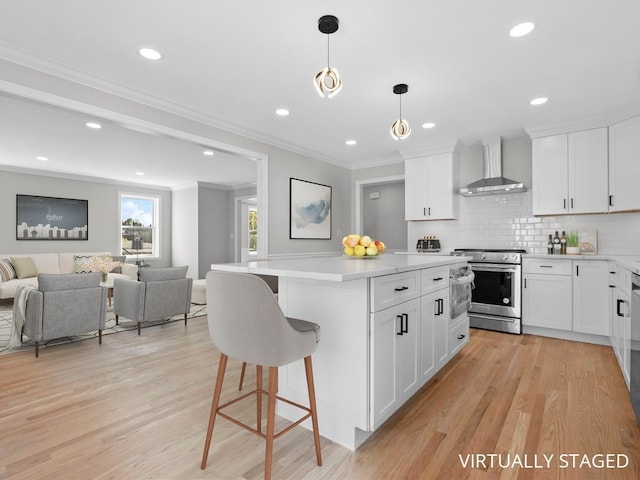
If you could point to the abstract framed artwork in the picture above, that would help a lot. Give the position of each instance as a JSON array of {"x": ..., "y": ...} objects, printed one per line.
[
  {"x": 50, "y": 218},
  {"x": 310, "y": 210}
]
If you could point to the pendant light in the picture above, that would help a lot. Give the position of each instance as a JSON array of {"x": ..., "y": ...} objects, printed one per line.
[
  {"x": 400, "y": 128},
  {"x": 327, "y": 80}
]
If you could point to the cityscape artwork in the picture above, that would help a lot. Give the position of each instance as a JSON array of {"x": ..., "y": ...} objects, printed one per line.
[{"x": 49, "y": 218}]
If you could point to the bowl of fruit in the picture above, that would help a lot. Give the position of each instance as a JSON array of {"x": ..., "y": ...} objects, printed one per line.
[{"x": 361, "y": 247}]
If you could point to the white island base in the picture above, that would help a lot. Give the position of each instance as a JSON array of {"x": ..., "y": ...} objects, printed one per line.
[{"x": 366, "y": 365}]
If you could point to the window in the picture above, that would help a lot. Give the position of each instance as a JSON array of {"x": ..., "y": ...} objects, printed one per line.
[
  {"x": 253, "y": 230},
  {"x": 139, "y": 226}
]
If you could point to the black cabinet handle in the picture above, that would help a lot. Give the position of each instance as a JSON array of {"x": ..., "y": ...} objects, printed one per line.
[
  {"x": 401, "y": 329},
  {"x": 546, "y": 266},
  {"x": 618, "y": 303},
  {"x": 525, "y": 283},
  {"x": 611, "y": 200},
  {"x": 460, "y": 337},
  {"x": 572, "y": 203},
  {"x": 564, "y": 203},
  {"x": 429, "y": 211},
  {"x": 424, "y": 212},
  {"x": 437, "y": 279},
  {"x": 406, "y": 323},
  {"x": 401, "y": 289},
  {"x": 577, "y": 270}
]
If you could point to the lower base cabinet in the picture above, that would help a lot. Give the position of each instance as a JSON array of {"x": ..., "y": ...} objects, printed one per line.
[{"x": 546, "y": 301}]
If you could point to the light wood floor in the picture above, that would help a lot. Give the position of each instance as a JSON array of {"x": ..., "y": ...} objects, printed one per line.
[{"x": 137, "y": 406}]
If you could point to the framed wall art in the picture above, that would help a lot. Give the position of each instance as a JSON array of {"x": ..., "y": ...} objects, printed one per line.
[
  {"x": 50, "y": 218},
  {"x": 310, "y": 210}
]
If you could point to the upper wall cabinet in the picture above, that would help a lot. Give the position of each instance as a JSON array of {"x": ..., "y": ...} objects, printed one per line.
[
  {"x": 429, "y": 187},
  {"x": 570, "y": 173},
  {"x": 624, "y": 165}
]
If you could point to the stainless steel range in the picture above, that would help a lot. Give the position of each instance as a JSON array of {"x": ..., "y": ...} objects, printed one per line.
[{"x": 496, "y": 298}]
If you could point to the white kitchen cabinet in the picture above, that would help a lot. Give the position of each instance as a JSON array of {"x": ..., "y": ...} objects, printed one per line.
[
  {"x": 430, "y": 187},
  {"x": 434, "y": 331},
  {"x": 621, "y": 320},
  {"x": 624, "y": 165},
  {"x": 591, "y": 297},
  {"x": 570, "y": 173},
  {"x": 394, "y": 345},
  {"x": 546, "y": 297}
]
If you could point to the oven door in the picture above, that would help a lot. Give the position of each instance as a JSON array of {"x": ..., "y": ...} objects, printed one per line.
[{"x": 497, "y": 289}]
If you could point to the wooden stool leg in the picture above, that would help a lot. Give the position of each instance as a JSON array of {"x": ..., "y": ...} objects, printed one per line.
[
  {"x": 259, "y": 398},
  {"x": 271, "y": 421},
  {"x": 99, "y": 337},
  {"x": 37, "y": 349},
  {"x": 117, "y": 320},
  {"x": 312, "y": 405},
  {"x": 222, "y": 366},
  {"x": 244, "y": 367},
  {"x": 185, "y": 319},
  {"x": 139, "y": 327}
]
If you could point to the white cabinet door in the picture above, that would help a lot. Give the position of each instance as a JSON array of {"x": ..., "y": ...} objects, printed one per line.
[
  {"x": 588, "y": 170},
  {"x": 622, "y": 331},
  {"x": 546, "y": 301},
  {"x": 434, "y": 331},
  {"x": 569, "y": 173},
  {"x": 429, "y": 188},
  {"x": 394, "y": 354},
  {"x": 591, "y": 297},
  {"x": 624, "y": 165},
  {"x": 550, "y": 175}
]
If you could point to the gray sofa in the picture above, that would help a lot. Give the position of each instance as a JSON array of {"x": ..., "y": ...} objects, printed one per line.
[
  {"x": 56, "y": 263},
  {"x": 161, "y": 293},
  {"x": 65, "y": 305}
]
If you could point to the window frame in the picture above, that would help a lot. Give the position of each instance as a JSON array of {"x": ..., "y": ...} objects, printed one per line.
[{"x": 155, "y": 225}]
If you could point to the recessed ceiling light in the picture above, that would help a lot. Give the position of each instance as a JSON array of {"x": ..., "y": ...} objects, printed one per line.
[
  {"x": 350, "y": 142},
  {"x": 150, "y": 53},
  {"x": 140, "y": 173},
  {"x": 283, "y": 112},
  {"x": 428, "y": 125},
  {"x": 522, "y": 29},
  {"x": 208, "y": 153},
  {"x": 539, "y": 101},
  {"x": 94, "y": 125},
  {"x": 44, "y": 159}
]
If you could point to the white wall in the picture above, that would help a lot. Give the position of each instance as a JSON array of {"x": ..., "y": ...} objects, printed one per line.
[
  {"x": 383, "y": 217},
  {"x": 184, "y": 230},
  {"x": 214, "y": 237}
]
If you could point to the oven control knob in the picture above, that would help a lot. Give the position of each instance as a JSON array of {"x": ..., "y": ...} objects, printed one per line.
[
  {"x": 505, "y": 257},
  {"x": 483, "y": 256},
  {"x": 514, "y": 258}
]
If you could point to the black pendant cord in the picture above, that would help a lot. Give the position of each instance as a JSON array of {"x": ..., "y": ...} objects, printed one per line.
[
  {"x": 400, "y": 96},
  {"x": 328, "y": 64}
]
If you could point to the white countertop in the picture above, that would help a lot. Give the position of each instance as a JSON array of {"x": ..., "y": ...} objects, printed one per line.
[
  {"x": 630, "y": 262},
  {"x": 340, "y": 268}
]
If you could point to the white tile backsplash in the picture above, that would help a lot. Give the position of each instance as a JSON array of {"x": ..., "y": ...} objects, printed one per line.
[{"x": 499, "y": 221}]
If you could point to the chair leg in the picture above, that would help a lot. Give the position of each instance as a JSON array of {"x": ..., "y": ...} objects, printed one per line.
[
  {"x": 242, "y": 370},
  {"x": 185, "y": 319},
  {"x": 37, "y": 349},
  {"x": 312, "y": 405},
  {"x": 117, "y": 320},
  {"x": 99, "y": 337},
  {"x": 259, "y": 398},
  {"x": 222, "y": 366},
  {"x": 139, "y": 323},
  {"x": 271, "y": 421}
]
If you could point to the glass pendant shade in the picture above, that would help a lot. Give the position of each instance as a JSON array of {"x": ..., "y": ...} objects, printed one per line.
[{"x": 328, "y": 82}]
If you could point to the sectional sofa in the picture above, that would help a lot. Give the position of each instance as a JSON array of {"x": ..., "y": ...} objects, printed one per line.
[{"x": 58, "y": 263}]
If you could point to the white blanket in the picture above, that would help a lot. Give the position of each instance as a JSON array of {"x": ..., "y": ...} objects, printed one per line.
[{"x": 19, "y": 313}]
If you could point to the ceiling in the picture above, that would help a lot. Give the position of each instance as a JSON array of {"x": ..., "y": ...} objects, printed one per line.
[{"x": 232, "y": 64}]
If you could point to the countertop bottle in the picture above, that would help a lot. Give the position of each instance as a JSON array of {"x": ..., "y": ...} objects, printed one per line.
[
  {"x": 550, "y": 245},
  {"x": 556, "y": 243},
  {"x": 563, "y": 243}
]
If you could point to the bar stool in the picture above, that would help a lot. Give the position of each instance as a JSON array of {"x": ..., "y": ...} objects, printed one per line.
[{"x": 246, "y": 323}]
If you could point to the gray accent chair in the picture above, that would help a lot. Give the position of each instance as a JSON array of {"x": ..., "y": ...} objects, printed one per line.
[
  {"x": 159, "y": 294},
  {"x": 246, "y": 323},
  {"x": 63, "y": 305}
]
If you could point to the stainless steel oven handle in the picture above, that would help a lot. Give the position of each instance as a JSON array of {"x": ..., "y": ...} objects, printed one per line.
[{"x": 496, "y": 268}]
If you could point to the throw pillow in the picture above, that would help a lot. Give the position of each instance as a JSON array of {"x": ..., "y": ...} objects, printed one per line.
[
  {"x": 24, "y": 267},
  {"x": 120, "y": 259},
  {"x": 6, "y": 270},
  {"x": 82, "y": 263}
]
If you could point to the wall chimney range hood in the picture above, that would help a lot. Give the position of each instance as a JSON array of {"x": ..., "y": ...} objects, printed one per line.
[{"x": 492, "y": 183}]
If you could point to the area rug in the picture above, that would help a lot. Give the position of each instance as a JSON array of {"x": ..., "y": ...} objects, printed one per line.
[{"x": 6, "y": 319}]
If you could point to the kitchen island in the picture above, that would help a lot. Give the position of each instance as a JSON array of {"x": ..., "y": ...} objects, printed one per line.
[{"x": 385, "y": 331}]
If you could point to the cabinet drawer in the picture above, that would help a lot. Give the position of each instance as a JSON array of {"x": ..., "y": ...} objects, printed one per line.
[
  {"x": 458, "y": 335},
  {"x": 546, "y": 266},
  {"x": 434, "y": 279},
  {"x": 389, "y": 290}
]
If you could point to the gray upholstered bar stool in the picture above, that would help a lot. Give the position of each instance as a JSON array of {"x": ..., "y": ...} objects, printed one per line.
[{"x": 246, "y": 323}]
